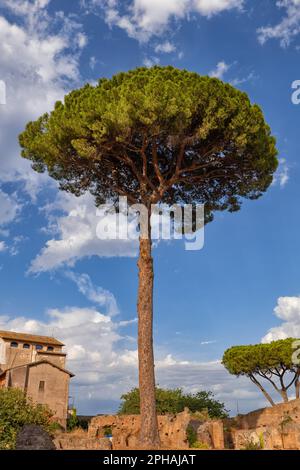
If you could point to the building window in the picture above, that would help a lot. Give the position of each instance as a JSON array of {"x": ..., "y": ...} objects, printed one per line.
[
  {"x": 38, "y": 347},
  {"x": 41, "y": 386},
  {"x": 13, "y": 344},
  {"x": 50, "y": 348},
  {"x": 26, "y": 346}
]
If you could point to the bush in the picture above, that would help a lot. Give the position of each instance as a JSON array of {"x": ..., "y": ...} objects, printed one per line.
[
  {"x": 16, "y": 410},
  {"x": 107, "y": 431},
  {"x": 72, "y": 421},
  {"x": 201, "y": 445},
  {"x": 174, "y": 401},
  {"x": 191, "y": 435},
  {"x": 251, "y": 445},
  {"x": 53, "y": 427}
]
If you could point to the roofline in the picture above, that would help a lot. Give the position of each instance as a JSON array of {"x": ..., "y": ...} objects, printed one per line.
[
  {"x": 24, "y": 337},
  {"x": 43, "y": 361}
]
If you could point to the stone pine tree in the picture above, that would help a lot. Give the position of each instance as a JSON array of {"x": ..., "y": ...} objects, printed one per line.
[
  {"x": 275, "y": 363},
  {"x": 158, "y": 135}
]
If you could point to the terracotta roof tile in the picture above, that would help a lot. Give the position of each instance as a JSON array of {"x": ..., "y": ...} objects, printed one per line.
[{"x": 30, "y": 338}]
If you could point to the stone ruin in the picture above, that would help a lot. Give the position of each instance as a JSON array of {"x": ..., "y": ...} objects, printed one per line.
[
  {"x": 79, "y": 440},
  {"x": 172, "y": 430},
  {"x": 125, "y": 430},
  {"x": 276, "y": 427},
  {"x": 270, "y": 428}
]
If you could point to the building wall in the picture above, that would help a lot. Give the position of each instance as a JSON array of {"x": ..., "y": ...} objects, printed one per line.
[
  {"x": 17, "y": 356},
  {"x": 54, "y": 392},
  {"x": 43, "y": 383},
  {"x": 16, "y": 378},
  {"x": 13, "y": 357},
  {"x": 60, "y": 361},
  {"x": 2, "y": 353}
]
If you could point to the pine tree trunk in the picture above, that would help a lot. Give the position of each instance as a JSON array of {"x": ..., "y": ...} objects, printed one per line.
[
  {"x": 149, "y": 436},
  {"x": 261, "y": 388},
  {"x": 284, "y": 395},
  {"x": 297, "y": 388}
]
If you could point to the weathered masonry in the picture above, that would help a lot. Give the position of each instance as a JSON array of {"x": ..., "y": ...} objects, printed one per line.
[{"x": 36, "y": 364}]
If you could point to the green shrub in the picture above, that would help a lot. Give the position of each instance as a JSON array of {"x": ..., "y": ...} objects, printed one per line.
[
  {"x": 191, "y": 435},
  {"x": 16, "y": 410},
  {"x": 107, "y": 431},
  {"x": 251, "y": 445},
  {"x": 72, "y": 421},
  {"x": 286, "y": 420},
  {"x": 261, "y": 440},
  {"x": 201, "y": 445},
  {"x": 54, "y": 426}
]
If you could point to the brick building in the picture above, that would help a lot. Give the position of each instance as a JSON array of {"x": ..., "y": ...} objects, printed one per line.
[{"x": 36, "y": 364}]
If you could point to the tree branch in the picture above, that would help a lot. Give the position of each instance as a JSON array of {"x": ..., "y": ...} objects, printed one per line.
[
  {"x": 156, "y": 165},
  {"x": 258, "y": 384},
  {"x": 264, "y": 376}
]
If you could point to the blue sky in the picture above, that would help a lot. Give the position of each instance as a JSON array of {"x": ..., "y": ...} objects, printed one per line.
[{"x": 57, "y": 278}]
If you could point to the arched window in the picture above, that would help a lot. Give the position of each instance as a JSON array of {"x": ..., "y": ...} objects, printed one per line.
[
  {"x": 50, "y": 348},
  {"x": 38, "y": 347},
  {"x": 26, "y": 346},
  {"x": 14, "y": 344}
]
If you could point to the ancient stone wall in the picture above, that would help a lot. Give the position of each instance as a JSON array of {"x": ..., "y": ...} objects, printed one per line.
[
  {"x": 269, "y": 428},
  {"x": 125, "y": 430},
  {"x": 79, "y": 440},
  {"x": 276, "y": 427},
  {"x": 267, "y": 438},
  {"x": 270, "y": 416}
]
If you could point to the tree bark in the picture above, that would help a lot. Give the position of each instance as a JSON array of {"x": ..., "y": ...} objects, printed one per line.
[
  {"x": 149, "y": 436},
  {"x": 283, "y": 391},
  {"x": 284, "y": 395},
  {"x": 297, "y": 388}
]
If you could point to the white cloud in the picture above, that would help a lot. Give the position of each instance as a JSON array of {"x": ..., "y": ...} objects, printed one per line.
[
  {"x": 9, "y": 208},
  {"x": 150, "y": 61},
  {"x": 288, "y": 310},
  {"x": 220, "y": 70},
  {"x": 212, "y": 7},
  {"x": 82, "y": 40},
  {"x": 143, "y": 19},
  {"x": 3, "y": 246},
  {"x": 287, "y": 29},
  {"x": 282, "y": 174},
  {"x": 29, "y": 9},
  {"x": 91, "y": 337},
  {"x": 240, "y": 80},
  {"x": 106, "y": 365},
  {"x": 76, "y": 235},
  {"x": 39, "y": 59},
  {"x": 95, "y": 294},
  {"x": 92, "y": 63},
  {"x": 165, "y": 47}
]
